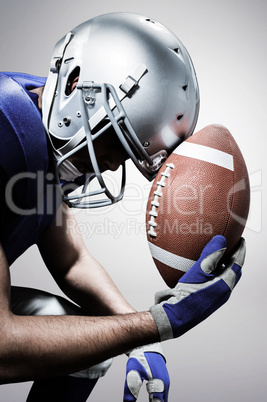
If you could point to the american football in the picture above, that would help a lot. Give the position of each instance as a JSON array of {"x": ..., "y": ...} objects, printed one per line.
[{"x": 202, "y": 190}]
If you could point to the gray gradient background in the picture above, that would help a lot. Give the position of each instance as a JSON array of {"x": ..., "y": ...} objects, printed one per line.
[{"x": 224, "y": 358}]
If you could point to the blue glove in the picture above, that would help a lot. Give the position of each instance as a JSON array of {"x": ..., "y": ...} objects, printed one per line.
[
  {"x": 147, "y": 363},
  {"x": 205, "y": 287}
]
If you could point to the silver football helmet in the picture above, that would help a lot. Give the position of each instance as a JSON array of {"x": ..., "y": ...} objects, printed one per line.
[{"x": 136, "y": 79}]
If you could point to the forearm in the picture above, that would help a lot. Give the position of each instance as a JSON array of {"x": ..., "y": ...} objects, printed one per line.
[
  {"x": 88, "y": 284},
  {"x": 76, "y": 271},
  {"x": 35, "y": 347}
]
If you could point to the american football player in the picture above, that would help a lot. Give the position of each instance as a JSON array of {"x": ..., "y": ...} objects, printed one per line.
[{"x": 120, "y": 86}]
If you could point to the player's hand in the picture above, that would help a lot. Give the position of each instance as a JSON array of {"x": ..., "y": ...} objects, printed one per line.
[
  {"x": 205, "y": 287},
  {"x": 147, "y": 363}
]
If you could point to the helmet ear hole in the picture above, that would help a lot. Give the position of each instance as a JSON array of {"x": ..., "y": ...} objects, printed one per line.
[{"x": 73, "y": 75}]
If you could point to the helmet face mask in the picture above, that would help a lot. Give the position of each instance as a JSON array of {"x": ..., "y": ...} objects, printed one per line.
[{"x": 125, "y": 72}]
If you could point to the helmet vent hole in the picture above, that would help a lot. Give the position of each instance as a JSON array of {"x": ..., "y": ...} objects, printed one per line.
[
  {"x": 180, "y": 117},
  {"x": 176, "y": 50},
  {"x": 68, "y": 60},
  {"x": 149, "y": 20},
  {"x": 185, "y": 87}
]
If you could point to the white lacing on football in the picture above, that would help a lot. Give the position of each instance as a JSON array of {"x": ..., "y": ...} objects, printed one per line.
[{"x": 156, "y": 202}]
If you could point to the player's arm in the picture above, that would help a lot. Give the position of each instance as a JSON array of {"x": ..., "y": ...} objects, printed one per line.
[
  {"x": 33, "y": 347},
  {"x": 86, "y": 282},
  {"x": 77, "y": 273}
]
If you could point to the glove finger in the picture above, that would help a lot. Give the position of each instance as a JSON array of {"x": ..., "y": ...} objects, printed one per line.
[
  {"x": 233, "y": 270},
  {"x": 238, "y": 276},
  {"x": 203, "y": 269},
  {"x": 238, "y": 256},
  {"x": 132, "y": 386},
  {"x": 155, "y": 399},
  {"x": 155, "y": 389},
  {"x": 212, "y": 254},
  {"x": 216, "y": 243}
]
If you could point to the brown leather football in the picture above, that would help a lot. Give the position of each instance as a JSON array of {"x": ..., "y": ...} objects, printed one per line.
[{"x": 200, "y": 191}]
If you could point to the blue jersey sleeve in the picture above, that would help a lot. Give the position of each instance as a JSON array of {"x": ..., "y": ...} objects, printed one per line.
[
  {"x": 22, "y": 138},
  {"x": 24, "y": 168}
]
